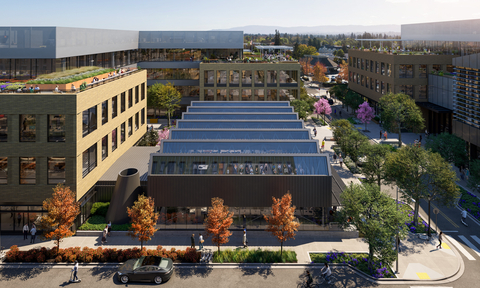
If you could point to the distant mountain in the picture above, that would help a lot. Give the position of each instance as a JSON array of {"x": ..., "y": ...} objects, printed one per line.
[{"x": 318, "y": 30}]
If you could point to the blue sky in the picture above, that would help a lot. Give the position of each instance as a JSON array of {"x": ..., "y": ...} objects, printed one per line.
[{"x": 216, "y": 14}]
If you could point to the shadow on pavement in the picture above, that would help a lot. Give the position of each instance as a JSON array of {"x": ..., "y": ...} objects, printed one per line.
[
  {"x": 265, "y": 272},
  {"x": 414, "y": 246},
  {"x": 103, "y": 273},
  {"x": 21, "y": 274},
  {"x": 187, "y": 272}
]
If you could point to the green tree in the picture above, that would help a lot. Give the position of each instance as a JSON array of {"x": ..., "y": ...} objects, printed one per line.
[
  {"x": 420, "y": 173},
  {"x": 277, "y": 38},
  {"x": 339, "y": 53},
  {"x": 474, "y": 178},
  {"x": 352, "y": 99},
  {"x": 342, "y": 129},
  {"x": 376, "y": 217},
  {"x": 353, "y": 142},
  {"x": 452, "y": 148},
  {"x": 303, "y": 50},
  {"x": 310, "y": 100},
  {"x": 302, "y": 108},
  {"x": 398, "y": 112},
  {"x": 164, "y": 97},
  {"x": 149, "y": 139},
  {"x": 373, "y": 168},
  {"x": 339, "y": 90}
]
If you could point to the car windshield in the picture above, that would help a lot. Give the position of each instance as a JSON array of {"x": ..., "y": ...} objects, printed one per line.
[{"x": 164, "y": 263}]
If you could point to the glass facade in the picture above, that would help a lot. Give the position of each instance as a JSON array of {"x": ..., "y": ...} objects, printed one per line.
[
  {"x": 221, "y": 77},
  {"x": 89, "y": 160},
  {"x": 240, "y": 109},
  {"x": 209, "y": 77},
  {"x": 239, "y": 134},
  {"x": 260, "y": 147},
  {"x": 89, "y": 118},
  {"x": 234, "y": 95},
  {"x": 221, "y": 95},
  {"x": 246, "y": 77},
  {"x": 56, "y": 128},
  {"x": 245, "y": 124},
  {"x": 173, "y": 74},
  {"x": 405, "y": 71},
  {"x": 164, "y": 55},
  {"x": 28, "y": 130},
  {"x": 209, "y": 95},
  {"x": 188, "y": 91},
  {"x": 3, "y": 128},
  {"x": 28, "y": 170},
  {"x": 467, "y": 96},
  {"x": 240, "y": 165},
  {"x": 56, "y": 170},
  {"x": 234, "y": 78},
  {"x": 238, "y": 116}
]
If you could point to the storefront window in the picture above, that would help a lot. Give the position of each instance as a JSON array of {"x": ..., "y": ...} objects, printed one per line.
[
  {"x": 56, "y": 128},
  {"x": 56, "y": 170},
  {"x": 28, "y": 129},
  {"x": 28, "y": 170}
]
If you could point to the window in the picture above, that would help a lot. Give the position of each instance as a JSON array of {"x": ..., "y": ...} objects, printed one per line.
[
  {"x": 436, "y": 67},
  {"x": 372, "y": 86},
  {"x": 130, "y": 124},
  {"x": 222, "y": 77},
  {"x": 114, "y": 106},
  {"x": 136, "y": 121},
  {"x": 234, "y": 78},
  {"x": 405, "y": 71},
  {"x": 389, "y": 69},
  {"x": 56, "y": 170},
  {"x": 354, "y": 77},
  {"x": 358, "y": 63},
  {"x": 422, "y": 71},
  {"x": 367, "y": 81},
  {"x": 221, "y": 94},
  {"x": 209, "y": 95},
  {"x": 56, "y": 128},
  {"x": 383, "y": 87},
  {"x": 89, "y": 160},
  {"x": 288, "y": 78},
  {"x": 3, "y": 170},
  {"x": 104, "y": 147},
  {"x": 209, "y": 78},
  {"x": 143, "y": 90},
  {"x": 89, "y": 120},
  {"x": 114, "y": 139},
  {"x": 28, "y": 129},
  {"x": 407, "y": 89},
  {"x": 377, "y": 86},
  {"x": 367, "y": 65},
  {"x": 383, "y": 68},
  {"x": 389, "y": 88},
  {"x": 363, "y": 64},
  {"x": 271, "y": 95},
  {"x": 422, "y": 90},
  {"x": 143, "y": 116},
  {"x": 271, "y": 78},
  {"x": 3, "y": 128},
  {"x": 449, "y": 68},
  {"x": 358, "y": 78},
  {"x": 122, "y": 133},
  {"x": 136, "y": 94},
  {"x": 130, "y": 98},
  {"x": 28, "y": 172},
  {"x": 259, "y": 95},
  {"x": 354, "y": 62},
  {"x": 377, "y": 67},
  {"x": 371, "y": 66},
  {"x": 122, "y": 102},
  {"x": 259, "y": 78},
  {"x": 247, "y": 78},
  {"x": 246, "y": 94},
  {"x": 234, "y": 95},
  {"x": 363, "y": 80},
  {"x": 104, "y": 112}
]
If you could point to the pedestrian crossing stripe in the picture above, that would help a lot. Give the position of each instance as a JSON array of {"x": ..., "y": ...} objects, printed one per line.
[
  {"x": 461, "y": 249},
  {"x": 423, "y": 276},
  {"x": 445, "y": 246},
  {"x": 475, "y": 238},
  {"x": 469, "y": 244}
]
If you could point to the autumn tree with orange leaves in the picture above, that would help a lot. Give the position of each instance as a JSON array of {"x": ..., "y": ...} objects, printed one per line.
[
  {"x": 62, "y": 209},
  {"x": 143, "y": 218},
  {"x": 307, "y": 68},
  {"x": 282, "y": 222},
  {"x": 343, "y": 74},
  {"x": 319, "y": 72},
  {"x": 219, "y": 219}
]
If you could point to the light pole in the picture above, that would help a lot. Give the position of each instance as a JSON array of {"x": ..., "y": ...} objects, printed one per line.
[
  {"x": 429, "y": 199},
  {"x": 396, "y": 270}
]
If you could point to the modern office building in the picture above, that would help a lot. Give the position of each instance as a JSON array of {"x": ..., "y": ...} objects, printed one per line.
[{"x": 71, "y": 138}]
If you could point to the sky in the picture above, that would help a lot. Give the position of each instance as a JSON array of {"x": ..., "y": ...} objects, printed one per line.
[{"x": 220, "y": 14}]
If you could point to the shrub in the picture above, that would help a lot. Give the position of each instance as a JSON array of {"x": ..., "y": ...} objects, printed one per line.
[
  {"x": 58, "y": 259},
  {"x": 100, "y": 208},
  {"x": 191, "y": 255},
  {"x": 41, "y": 258}
]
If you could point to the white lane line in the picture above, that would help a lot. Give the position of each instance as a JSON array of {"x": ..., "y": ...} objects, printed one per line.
[
  {"x": 474, "y": 248},
  {"x": 475, "y": 238},
  {"x": 448, "y": 231},
  {"x": 429, "y": 287},
  {"x": 460, "y": 248}
]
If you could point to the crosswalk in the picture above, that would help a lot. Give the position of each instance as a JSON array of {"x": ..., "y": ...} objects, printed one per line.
[{"x": 466, "y": 240}]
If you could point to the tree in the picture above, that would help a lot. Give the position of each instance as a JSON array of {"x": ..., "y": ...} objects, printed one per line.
[
  {"x": 373, "y": 168},
  {"x": 319, "y": 73},
  {"x": 340, "y": 91},
  {"x": 365, "y": 113},
  {"x": 399, "y": 111},
  {"x": 62, "y": 209},
  {"x": 353, "y": 143},
  {"x": 277, "y": 38},
  {"x": 307, "y": 68},
  {"x": 165, "y": 97},
  {"x": 282, "y": 222},
  {"x": 339, "y": 53},
  {"x": 474, "y": 178},
  {"x": 143, "y": 218},
  {"x": 420, "y": 173},
  {"x": 322, "y": 107},
  {"x": 376, "y": 217},
  {"x": 301, "y": 107},
  {"x": 343, "y": 73},
  {"x": 303, "y": 50},
  {"x": 452, "y": 148},
  {"x": 352, "y": 99},
  {"x": 164, "y": 134},
  {"x": 342, "y": 129},
  {"x": 151, "y": 138},
  {"x": 219, "y": 219}
]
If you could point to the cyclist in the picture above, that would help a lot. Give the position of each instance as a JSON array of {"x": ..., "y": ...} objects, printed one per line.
[
  {"x": 464, "y": 216},
  {"x": 326, "y": 272},
  {"x": 309, "y": 280}
]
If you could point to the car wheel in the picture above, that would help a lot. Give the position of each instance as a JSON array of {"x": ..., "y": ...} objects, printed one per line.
[
  {"x": 158, "y": 280},
  {"x": 124, "y": 279}
]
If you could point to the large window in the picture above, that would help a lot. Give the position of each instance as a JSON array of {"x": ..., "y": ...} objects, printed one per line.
[
  {"x": 137, "y": 94},
  {"x": 3, "y": 170},
  {"x": 143, "y": 116},
  {"x": 422, "y": 90},
  {"x": 114, "y": 139},
  {"x": 288, "y": 77},
  {"x": 130, "y": 124},
  {"x": 383, "y": 68},
  {"x": 367, "y": 65},
  {"x": 407, "y": 89},
  {"x": 122, "y": 133},
  {"x": 377, "y": 67},
  {"x": 28, "y": 129},
  {"x": 259, "y": 78},
  {"x": 234, "y": 95},
  {"x": 136, "y": 121},
  {"x": 56, "y": 128},
  {"x": 122, "y": 102},
  {"x": 221, "y": 78},
  {"x": 130, "y": 98},
  {"x": 367, "y": 81},
  {"x": 114, "y": 106},
  {"x": 377, "y": 87},
  {"x": 246, "y": 94},
  {"x": 422, "y": 71},
  {"x": 383, "y": 87},
  {"x": 271, "y": 78},
  {"x": 271, "y": 95},
  {"x": 247, "y": 78},
  {"x": 371, "y": 66},
  {"x": 173, "y": 74},
  {"x": 3, "y": 128},
  {"x": 56, "y": 170},
  {"x": 104, "y": 147},
  {"x": 405, "y": 71},
  {"x": 209, "y": 95},
  {"x": 28, "y": 170},
  {"x": 389, "y": 69},
  {"x": 221, "y": 94},
  {"x": 143, "y": 90},
  {"x": 104, "y": 112},
  {"x": 259, "y": 95},
  {"x": 89, "y": 120},
  {"x": 89, "y": 160},
  {"x": 234, "y": 78},
  {"x": 209, "y": 77}
]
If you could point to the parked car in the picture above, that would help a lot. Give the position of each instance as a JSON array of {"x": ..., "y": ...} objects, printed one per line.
[{"x": 146, "y": 269}]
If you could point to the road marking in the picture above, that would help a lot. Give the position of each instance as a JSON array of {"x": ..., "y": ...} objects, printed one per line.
[
  {"x": 475, "y": 238},
  {"x": 469, "y": 244},
  {"x": 429, "y": 287},
  {"x": 423, "y": 276},
  {"x": 445, "y": 246},
  {"x": 460, "y": 248},
  {"x": 448, "y": 231},
  {"x": 446, "y": 217}
]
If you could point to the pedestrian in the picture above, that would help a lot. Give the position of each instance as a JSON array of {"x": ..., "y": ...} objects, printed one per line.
[
  {"x": 340, "y": 112},
  {"x": 340, "y": 159},
  {"x": 245, "y": 239},
  {"x": 323, "y": 145},
  {"x": 33, "y": 231},
  {"x": 109, "y": 227},
  {"x": 315, "y": 131},
  {"x": 380, "y": 135},
  {"x": 463, "y": 174},
  {"x": 19, "y": 219},
  {"x": 426, "y": 133},
  {"x": 193, "y": 241},
  {"x": 25, "y": 231},
  {"x": 104, "y": 235},
  {"x": 440, "y": 236},
  {"x": 335, "y": 157},
  {"x": 200, "y": 241},
  {"x": 467, "y": 173},
  {"x": 420, "y": 138},
  {"x": 335, "y": 111},
  {"x": 385, "y": 135},
  {"x": 75, "y": 270}
]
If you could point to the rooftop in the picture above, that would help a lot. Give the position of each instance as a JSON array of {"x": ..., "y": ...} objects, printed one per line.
[{"x": 224, "y": 134}]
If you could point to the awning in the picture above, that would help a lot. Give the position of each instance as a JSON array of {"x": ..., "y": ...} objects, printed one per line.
[{"x": 434, "y": 107}]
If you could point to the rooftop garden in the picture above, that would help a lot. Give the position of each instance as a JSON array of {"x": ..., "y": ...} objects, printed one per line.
[
  {"x": 399, "y": 51},
  {"x": 69, "y": 76}
]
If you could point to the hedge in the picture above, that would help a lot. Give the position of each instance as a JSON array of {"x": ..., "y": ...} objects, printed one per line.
[
  {"x": 100, "y": 254},
  {"x": 254, "y": 256},
  {"x": 98, "y": 223},
  {"x": 100, "y": 208}
]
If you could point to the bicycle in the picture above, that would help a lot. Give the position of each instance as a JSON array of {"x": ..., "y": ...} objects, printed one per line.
[
  {"x": 304, "y": 285},
  {"x": 330, "y": 282}
]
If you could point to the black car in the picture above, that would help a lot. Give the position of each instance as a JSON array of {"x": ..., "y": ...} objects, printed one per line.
[{"x": 146, "y": 268}]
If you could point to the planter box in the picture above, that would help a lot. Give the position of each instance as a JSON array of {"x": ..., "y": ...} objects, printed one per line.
[{"x": 68, "y": 86}]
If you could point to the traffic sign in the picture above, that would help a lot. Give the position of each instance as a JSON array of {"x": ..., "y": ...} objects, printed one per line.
[{"x": 436, "y": 211}]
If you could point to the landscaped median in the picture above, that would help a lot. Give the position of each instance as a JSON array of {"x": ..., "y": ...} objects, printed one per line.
[
  {"x": 470, "y": 202},
  {"x": 254, "y": 256},
  {"x": 356, "y": 260}
]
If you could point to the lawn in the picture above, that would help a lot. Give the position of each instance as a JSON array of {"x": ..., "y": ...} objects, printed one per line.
[
  {"x": 470, "y": 202},
  {"x": 98, "y": 223},
  {"x": 357, "y": 260},
  {"x": 254, "y": 256}
]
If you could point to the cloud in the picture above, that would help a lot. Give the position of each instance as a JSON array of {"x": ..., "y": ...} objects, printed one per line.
[{"x": 398, "y": 1}]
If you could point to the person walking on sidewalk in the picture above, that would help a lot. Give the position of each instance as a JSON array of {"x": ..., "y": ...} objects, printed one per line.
[
  {"x": 192, "y": 239},
  {"x": 385, "y": 135},
  {"x": 334, "y": 157},
  {"x": 25, "y": 231},
  {"x": 104, "y": 235},
  {"x": 340, "y": 159},
  {"x": 440, "y": 236},
  {"x": 245, "y": 239},
  {"x": 33, "y": 231},
  {"x": 323, "y": 145},
  {"x": 200, "y": 241},
  {"x": 109, "y": 228},
  {"x": 314, "y": 131},
  {"x": 380, "y": 135}
]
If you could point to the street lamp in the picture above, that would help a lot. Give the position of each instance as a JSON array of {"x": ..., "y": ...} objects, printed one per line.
[{"x": 429, "y": 199}]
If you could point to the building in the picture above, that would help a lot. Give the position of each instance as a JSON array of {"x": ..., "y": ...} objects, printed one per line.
[
  {"x": 71, "y": 138},
  {"x": 327, "y": 62}
]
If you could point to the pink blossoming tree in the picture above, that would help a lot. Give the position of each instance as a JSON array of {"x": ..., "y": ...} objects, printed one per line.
[
  {"x": 322, "y": 107},
  {"x": 164, "y": 134},
  {"x": 365, "y": 113}
]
